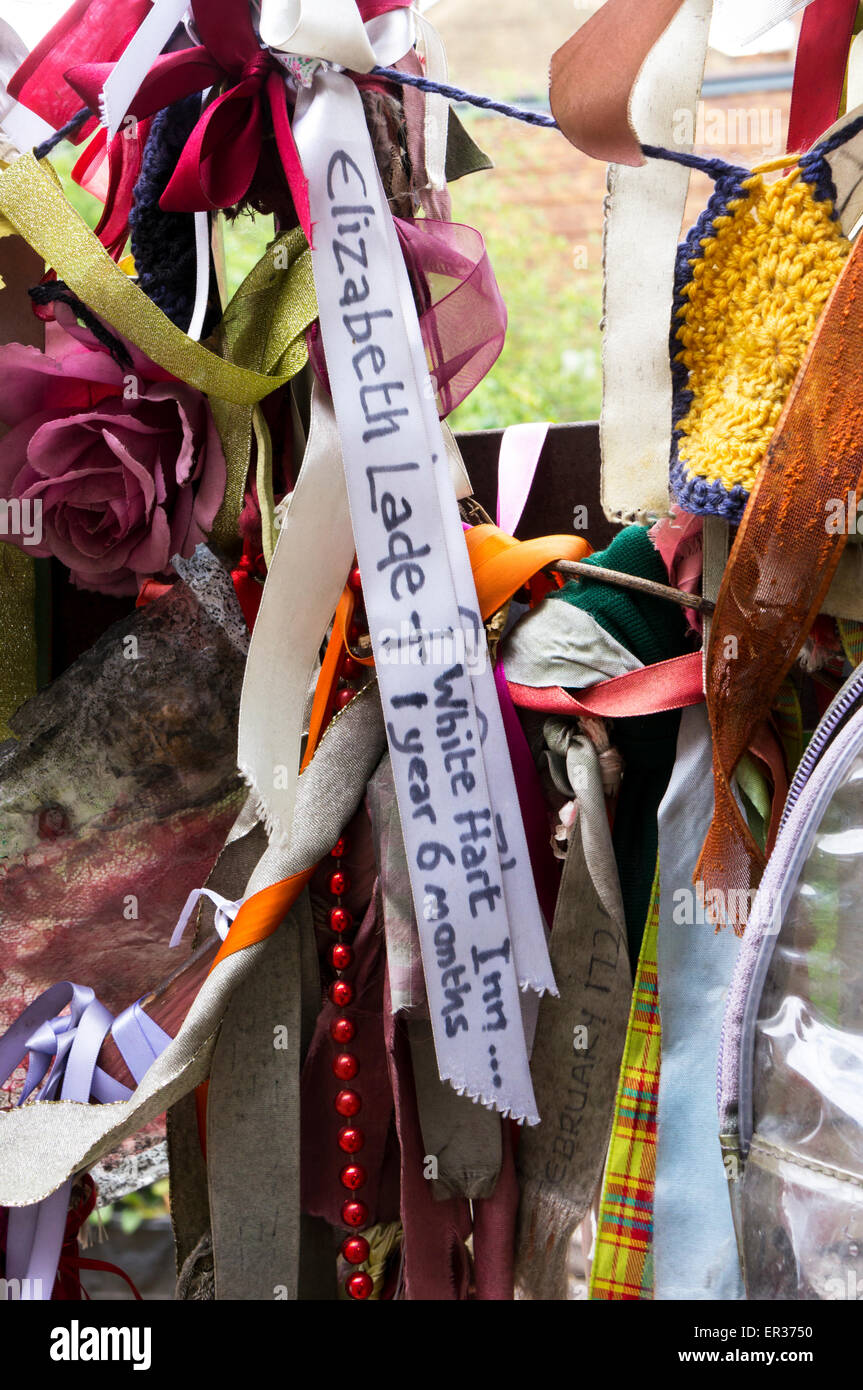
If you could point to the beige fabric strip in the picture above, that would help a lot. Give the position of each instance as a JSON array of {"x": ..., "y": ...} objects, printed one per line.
[{"x": 644, "y": 212}]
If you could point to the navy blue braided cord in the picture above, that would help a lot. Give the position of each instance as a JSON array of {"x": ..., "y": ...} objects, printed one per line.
[
  {"x": 425, "y": 84},
  {"x": 70, "y": 128},
  {"x": 715, "y": 168}
]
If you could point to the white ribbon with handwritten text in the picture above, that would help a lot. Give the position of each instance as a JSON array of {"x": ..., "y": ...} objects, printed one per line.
[{"x": 480, "y": 927}]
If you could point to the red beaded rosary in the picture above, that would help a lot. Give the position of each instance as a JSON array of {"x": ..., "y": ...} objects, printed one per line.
[{"x": 355, "y": 1214}]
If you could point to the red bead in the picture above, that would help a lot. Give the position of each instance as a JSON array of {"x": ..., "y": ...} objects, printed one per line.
[
  {"x": 341, "y": 955},
  {"x": 345, "y": 1066},
  {"x": 355, "y": 1249},
  {"x": 340, "y": 919},
  {"x": 344, "y": 697},
  {"x": 52, "y": 823},
  {"x": 341, "y": 993},
  {"x": 348, "y": 1104},
  {"x": 342, "y": 1030},
  {"x": 350, "y": 668},
  {"x": 339, "y": 848},
  {"x": 339, "y": 883},
  {"x": 353, "y": 1176},
  {"x": 351, "y": 1139},
  {"x": 360, "y": 1285},
  {"x": 354, "y": 579},
  {"x": 354, "y": 1213}
]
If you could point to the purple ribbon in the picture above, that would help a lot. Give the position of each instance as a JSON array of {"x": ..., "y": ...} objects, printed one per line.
[
  {"x": 60, "y": 1050},
  {"x": 520, "y": 450},
  {"x": 226, "y": 911}
]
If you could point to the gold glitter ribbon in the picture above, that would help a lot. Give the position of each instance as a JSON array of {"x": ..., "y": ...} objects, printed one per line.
[
  {"x": 19, "y": 647},
  {"x": 263, "y": 327},
  {"x": 37, "y": 209},
  {"x": 260, "y": 329},
  {"x": 17, "y": 633}
]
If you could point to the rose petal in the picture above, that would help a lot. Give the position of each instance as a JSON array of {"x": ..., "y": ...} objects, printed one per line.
[
  {"x": 154, "y": 551},
  {"x": 124, "y": 483},
  {"x": 33, "y": 383},
  {"x": 138, "y": 472},
  {"x": 56, "y": 445},
  {"x": 211, "y": 485},
  {"x": 181, "y": 520}
]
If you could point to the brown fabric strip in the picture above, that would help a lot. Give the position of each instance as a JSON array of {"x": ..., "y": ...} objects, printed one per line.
[
  {"x": 190, "y": 1199},
  {"x": 782, "y": 562},
  {"x": 593, "y": 74},
  {"x": 579, "y": 1038},
  {"x": 253, "y": 1121},
  {"x": 463, "y": 1138}
]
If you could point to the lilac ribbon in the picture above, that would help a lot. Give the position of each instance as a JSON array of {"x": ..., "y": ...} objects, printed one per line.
[
  {"x": 60, "y": 1050},
  {"x": 226, "y": 911},
  {"x": 520, "y": 449}
]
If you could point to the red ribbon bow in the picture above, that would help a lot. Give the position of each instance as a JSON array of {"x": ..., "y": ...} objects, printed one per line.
[
  {"x": 221, "y": 155},
  {"x": 219, "y": 160}
]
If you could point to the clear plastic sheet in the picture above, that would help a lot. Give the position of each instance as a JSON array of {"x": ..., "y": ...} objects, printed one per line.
[{"x": 802, "y": 1187}]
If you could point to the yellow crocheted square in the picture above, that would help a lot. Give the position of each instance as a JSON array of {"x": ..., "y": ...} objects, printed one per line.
[{"x": 753, "y": 277}]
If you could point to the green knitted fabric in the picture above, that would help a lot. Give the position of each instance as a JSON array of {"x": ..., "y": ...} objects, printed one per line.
[{"x": 653, "y": 630}]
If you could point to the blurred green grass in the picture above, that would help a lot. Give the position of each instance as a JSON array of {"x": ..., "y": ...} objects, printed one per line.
[{"x": 549, "y": 368}]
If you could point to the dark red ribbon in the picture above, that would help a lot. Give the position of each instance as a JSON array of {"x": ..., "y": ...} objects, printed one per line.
[
  {"x": 124, "y": 153},
  {"x": 819, "y": 70},
  {"x": 218, "y": 163},
  {"x": 95, "y": 30},
  {"x": 219, "y": 160},
  {"x": 248, "y": 587}
]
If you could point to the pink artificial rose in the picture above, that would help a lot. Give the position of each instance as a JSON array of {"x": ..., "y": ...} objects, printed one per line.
[{"x": 126, "y": 462}]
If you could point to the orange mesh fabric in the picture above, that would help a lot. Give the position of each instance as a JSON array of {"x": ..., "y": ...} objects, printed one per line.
[{"x": 782, "y": 561}]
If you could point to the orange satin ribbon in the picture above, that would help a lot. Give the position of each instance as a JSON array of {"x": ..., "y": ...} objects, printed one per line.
[{"x": 502, "y": 565}]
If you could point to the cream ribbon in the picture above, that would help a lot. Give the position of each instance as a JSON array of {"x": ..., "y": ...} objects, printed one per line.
[
  {"x": 747, "y": 20},
  {"x": 854, "y": 90},
  {"x": 306, "y": 571},
  {"x": 312, "y": 557},
  {"x": 333, "y": 31},
  {"x": 139, "y": 55},
  {"x": 23, "y": 127},
  {"x": 436, "y": 126},
  {"x": 644, "y": 210}
]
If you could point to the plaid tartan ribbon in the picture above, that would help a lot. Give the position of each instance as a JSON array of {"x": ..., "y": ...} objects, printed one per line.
[{"x": 622, "y": 1264}]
